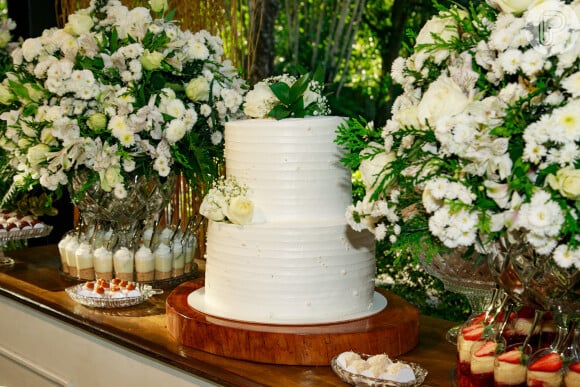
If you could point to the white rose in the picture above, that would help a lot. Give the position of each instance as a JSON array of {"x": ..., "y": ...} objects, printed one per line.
[
  {"x": 79, "y": 24},
  {"x": 240, "y": 210},
  {"x": 259, "y": 101},
  {"x": 97, "y": 121},
  {"x": 511, "y": 6},
  {"x": 197, "y": 89},
  {"x": 158, "y": 6},
  {"x": 443, "y": 27},
  {"x": 212, "y": 206},
  {"x": 151, "y": 60},
  {"x": 110, "y": 178},
  {"x": 567, "y": 181},
  {"x": 37, "y": 154},
  {"x": 443, "y": 98},
  {"x": 373, "y": 169}
]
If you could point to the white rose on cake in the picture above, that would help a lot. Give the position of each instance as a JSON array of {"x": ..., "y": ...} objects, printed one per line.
[
  {"x": 228, "y": 201},
  {"x": 285, "y": 96},
  {"x": 259, "y": 101},
  {"x": 240, "y": 211}
]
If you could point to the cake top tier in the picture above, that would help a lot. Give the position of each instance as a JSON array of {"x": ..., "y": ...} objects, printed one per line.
[{"x": 292, "y": 167}]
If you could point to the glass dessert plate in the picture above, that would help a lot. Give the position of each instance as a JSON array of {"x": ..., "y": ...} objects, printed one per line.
[
  {"x": 356, "y": 379},
  {"x": 106, "y": 301}
]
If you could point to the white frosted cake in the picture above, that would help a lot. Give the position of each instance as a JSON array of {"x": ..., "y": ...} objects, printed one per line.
[{"x": 297, "y": 262}]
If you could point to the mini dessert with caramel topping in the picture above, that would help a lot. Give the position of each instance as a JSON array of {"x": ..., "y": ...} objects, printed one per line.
[{"x": 115, "y": 288}]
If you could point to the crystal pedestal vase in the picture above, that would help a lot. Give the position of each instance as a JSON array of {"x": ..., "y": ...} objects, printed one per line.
[
  {"x": 146, "y": 196},
  {"x": 459, "y": 275}
]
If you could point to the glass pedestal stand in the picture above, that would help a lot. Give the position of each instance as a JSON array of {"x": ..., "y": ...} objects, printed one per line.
[
  {"x": 462, "y": 276},
  {"x": 12, "y": 235},
  {"x": 479, "y": 299}
]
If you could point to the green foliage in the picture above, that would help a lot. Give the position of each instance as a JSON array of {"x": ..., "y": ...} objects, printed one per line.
[{"x": 291, "y": 97}]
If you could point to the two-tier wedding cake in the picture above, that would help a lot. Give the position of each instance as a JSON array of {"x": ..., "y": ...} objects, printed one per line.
[{"x": 297, "y": 261}]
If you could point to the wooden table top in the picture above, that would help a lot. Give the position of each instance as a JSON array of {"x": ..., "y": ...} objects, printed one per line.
[{"x": 34, "y": 280}]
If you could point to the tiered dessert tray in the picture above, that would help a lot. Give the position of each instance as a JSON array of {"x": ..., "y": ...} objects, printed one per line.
[
  {"x": 394, "y": 331},
  {"x": 12, "y": 235}
]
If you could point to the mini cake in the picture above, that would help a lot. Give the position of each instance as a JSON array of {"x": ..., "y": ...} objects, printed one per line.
[
  {"x": 509, "y": 370},
  {"x": 546, "y": 371},
  {"x": 148, "y": 236},
  {"x": 103, "y": 263},
  {"x": 178, "y": 267},
  {"x": 163, "y": 262},
  {"x": 144, "y": 265},
  {"x": 189, "y": 253},
  {"x": 71, "y": 248},
  {"x": 62, "y": 252},
  {"x": 482, "y": 363},
  {"x": 123, "y": 262},
  {"x": 468, "y": 336},
  {"x": 572, "y": 378},
  {"x": 84, "y": 261},
  {"x": 519, "y": 327}
]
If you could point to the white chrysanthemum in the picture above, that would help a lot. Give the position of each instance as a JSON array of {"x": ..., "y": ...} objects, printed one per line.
[
  {"x": 567, "y": 123},
  {"x": 233, "y": 99},
  {"x": 510, "y": 60},
  {"x": 564, "y": 257},
  {"x": 532, "y": 62},
  {"x": 161, "y": 165},
  {"x": 380, "y": 232},
  {"x": 216, "y": 137},
  {"x": 119, "y": 191},
  {"x": 118, "y": 124},
  {"x": 572, "y": 84},
  {"x": 197, "y": 50},
  {"x": 397, "y": 70},
  {"x": 175, "y": 131},
  {"x": 205, "y": 110},
  {"x": 500, "y": 39}
]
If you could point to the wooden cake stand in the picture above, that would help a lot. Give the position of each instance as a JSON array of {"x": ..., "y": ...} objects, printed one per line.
[{"x": 394, "y": 331}]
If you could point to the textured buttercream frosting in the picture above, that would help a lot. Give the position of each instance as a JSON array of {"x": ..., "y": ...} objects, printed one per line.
[
  {"x": 298, "y": 261},
  {"x": 292, "y": 167}
]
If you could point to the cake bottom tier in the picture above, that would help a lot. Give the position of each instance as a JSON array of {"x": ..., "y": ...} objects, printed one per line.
[{"x": 288, "y": 273}]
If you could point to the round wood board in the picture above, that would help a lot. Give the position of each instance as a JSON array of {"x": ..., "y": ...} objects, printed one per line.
[{"x": 394, "y": 331}]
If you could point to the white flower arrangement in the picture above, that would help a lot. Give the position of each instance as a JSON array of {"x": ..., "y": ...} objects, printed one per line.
[
  {"x": 484, "y": 140},
  {"x": 286, "y": 96},
  {"x": 228, "y": 200},
  {"x": 117, "y": 92}
]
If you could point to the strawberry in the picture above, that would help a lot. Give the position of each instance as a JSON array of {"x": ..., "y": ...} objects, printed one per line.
[
  {"x": 478, "y": 319},
  {"x": 512, "y": 357},
  {"x": 575, "y": 366},
  {"x": 473, "y": 332},
  {"x": 486, "y": 349},
  {"x": 548, "y": 363}
]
